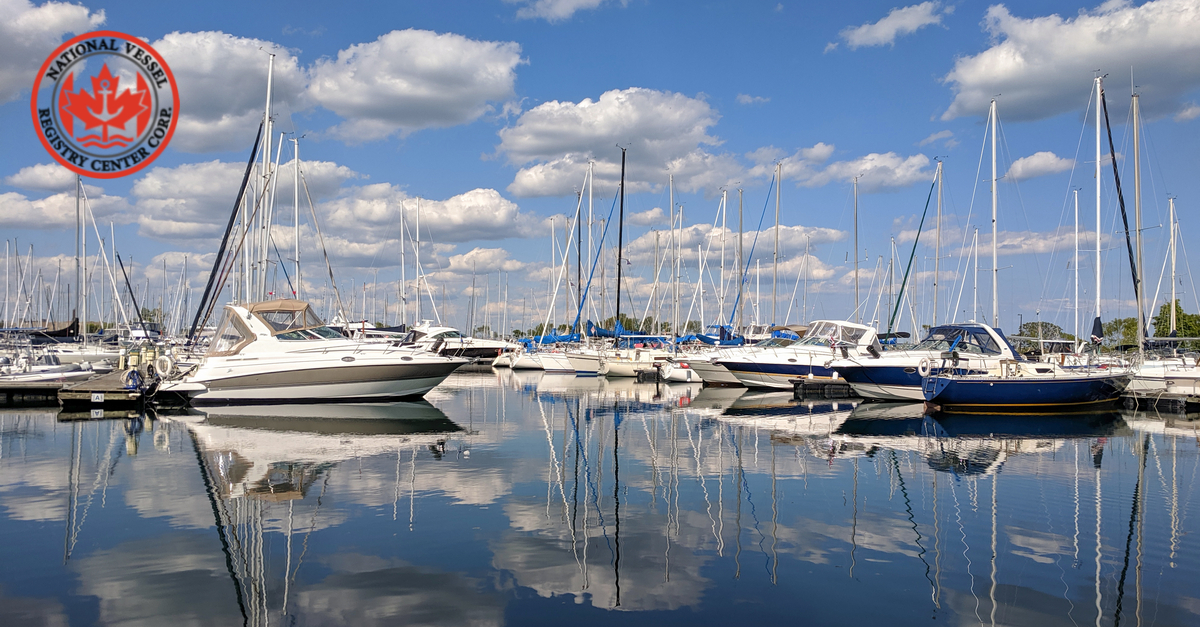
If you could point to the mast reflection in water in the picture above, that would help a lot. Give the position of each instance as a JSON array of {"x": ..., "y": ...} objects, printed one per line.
[{"x": 524, "y": 498}]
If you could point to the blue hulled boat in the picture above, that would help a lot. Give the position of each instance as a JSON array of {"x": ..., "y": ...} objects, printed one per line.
[{"x": 1025, "y": 386}]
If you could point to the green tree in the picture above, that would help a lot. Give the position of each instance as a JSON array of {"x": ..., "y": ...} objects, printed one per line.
[
  {"x": 1121, "y": 331},
  {"x": 1043, "y": 330},
  {"x": 1186, "y": 324}
]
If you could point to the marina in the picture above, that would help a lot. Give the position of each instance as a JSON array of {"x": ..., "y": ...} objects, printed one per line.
[{"x": 520, "y": 497}]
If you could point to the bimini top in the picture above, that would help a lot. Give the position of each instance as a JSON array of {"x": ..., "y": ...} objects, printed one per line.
[{"x": 291, "y": 320}]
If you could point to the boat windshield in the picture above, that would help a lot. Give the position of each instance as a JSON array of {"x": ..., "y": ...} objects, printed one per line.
[
  {"x": 312, "y": 333},
  {"x": 284, "y": 320},
  {"x": 231, "y": 335},
  {"x": 962, "y": 339},
  {"x": 447, "y": 334},
  {"x": 822, "y": 333},
  {"x": 775, "y": 342}
]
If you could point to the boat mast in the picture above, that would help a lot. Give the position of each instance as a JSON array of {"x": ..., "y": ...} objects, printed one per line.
[
  {"x": 1076, "y": 262},
  {"x": 741, "y": 265},
  {"x": 296, "y": 216},
  {"x": 1099, "y": 112},
  {"x": 857, "y": 315},
  {"x": 620, "y": 239},
  {"x": 995, "y": 265},
  {"x": 674, "y": 256},
  {"x": 1137, "y": 219},
  {"x": 775, "y": 268},
  {"x": 937, "y": 246},
  {"x": 417, "y": 255},
  {"x": 1171, "y": 202},
  {"x": 80, "y": 258},
  {"x": 403, "y": 279}
]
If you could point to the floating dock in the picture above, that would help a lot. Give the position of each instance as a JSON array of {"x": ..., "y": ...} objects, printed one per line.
[
  {"x": 1162, "y": 401},
  {"x": 18, "y": 393},
  {"x": 821, "y": 388},
  {"x": 103, "y": 393}
]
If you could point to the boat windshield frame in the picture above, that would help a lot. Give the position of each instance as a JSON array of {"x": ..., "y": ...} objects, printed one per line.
[
  {"x": 971, "y": 340},
  {"x": 231, "y": 336}
]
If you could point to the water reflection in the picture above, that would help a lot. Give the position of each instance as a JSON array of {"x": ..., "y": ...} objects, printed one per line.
[{"x": 522, "y": 497}]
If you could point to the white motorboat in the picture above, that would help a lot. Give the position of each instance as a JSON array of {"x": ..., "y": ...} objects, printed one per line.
[
  {"x": 280, "y": 351},
  {"x": 776, "y": 362},
  {"x": 450, "y": 341}
]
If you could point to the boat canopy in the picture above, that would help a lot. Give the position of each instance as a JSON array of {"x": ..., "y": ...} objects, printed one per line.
[
  {"x": 962, "y": 338},
  {"x": 283, "y": 316}
]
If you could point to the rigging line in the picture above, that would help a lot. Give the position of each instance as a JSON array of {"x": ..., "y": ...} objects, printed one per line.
[
  {"x": 1137, "y": 488},
  {"x": 325, "y": 251},
  {"x": 1021, "y": 203},
  {"x": 962, "y": 258},
  {"x": 1137, "y": 287},
  {"x": 210, "y": 490},
  {"x": 595, "y": 262},
  {"x": 904, "y": 282},
  {"x": 283, "y": 265},
  {"x": 757, "y": 232}
]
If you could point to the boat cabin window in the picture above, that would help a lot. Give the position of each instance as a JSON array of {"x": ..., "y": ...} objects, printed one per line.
[
  {"x": 776, "y": 342},
  {"x": 231, "y": 336},
  {"x": 284, "y": 320},
  {"x": 821, "y": 333},
  {"x": 447, "y": 334},
  {"x": 962, "y": 339}
]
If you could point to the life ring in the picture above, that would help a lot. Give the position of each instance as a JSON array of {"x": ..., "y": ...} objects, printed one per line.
[
  {"x": 924, "y": 367},
  {"x": 164, "y": 366}
]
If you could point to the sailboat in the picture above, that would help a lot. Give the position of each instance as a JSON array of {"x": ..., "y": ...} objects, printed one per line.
[{"x": 1017, "y": 384}]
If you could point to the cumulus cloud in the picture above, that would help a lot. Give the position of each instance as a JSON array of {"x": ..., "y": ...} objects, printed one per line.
[
  {"x": 650, "y": 217},
  {"x": 29, "y": 33},
  {"x": 876, "y": 172},
  {"x": 747, "y": 99},
  {"x": 47, "y": 177},
  {"x": 899, "y": 21},
  {"x": 552, "y": 10},
  {"x": 1190, "y": 111},
  {"x": 413, "y": 79},
  {"x": 1043, "y": 65},
  {"x": 58, "y": 210},
  {"x": 1038, "y": 164},
  {"x": 193, "y": 201},
  {"x": 223, "y": 88},
  {"x": 792, "y": 241},
  {"x": 664, "y": 132}
]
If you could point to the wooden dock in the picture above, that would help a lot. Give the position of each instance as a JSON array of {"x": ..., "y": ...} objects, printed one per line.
[
  {"x": 16, "y": 393},
  {"x": 104, "y": 392},
  {"x": 1162, "y": 401}
]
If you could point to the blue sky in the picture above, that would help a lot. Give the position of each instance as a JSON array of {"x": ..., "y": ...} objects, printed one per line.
[{"x": 490, "y": 110}]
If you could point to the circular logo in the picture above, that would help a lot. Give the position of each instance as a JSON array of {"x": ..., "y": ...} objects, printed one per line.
[{"x": 105, "y": 104}]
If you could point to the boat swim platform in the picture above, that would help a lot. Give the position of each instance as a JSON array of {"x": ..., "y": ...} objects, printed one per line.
[
  {"x": 821, "y": 388},
  {"x": 101, "y": 393}
]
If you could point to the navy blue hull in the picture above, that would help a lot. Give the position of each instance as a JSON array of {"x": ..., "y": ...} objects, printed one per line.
[{"x": 1024, "y": 393}]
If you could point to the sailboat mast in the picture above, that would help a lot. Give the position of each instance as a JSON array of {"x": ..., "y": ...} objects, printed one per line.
[
  {"x": 995, "y": 265},
  {"x": 741, "y": 264},
  {"x": 80, "y": 264},
  {"x": 674, "y": 285},
  {"x": 1076, "y": 263},
  {"x": 296, "y": 216},
  {"x": 1137, "y": 219},
  {"x": 775, "y": 268},
  {"x": 620, "y": 239},
  {"x": 417, "y": 259},
  {"x": 1171, "y": 202},
  {"x": 1099, "y": 112},
  {"x": 937, "y": 246},
  {"x": 857, "y": 315}
]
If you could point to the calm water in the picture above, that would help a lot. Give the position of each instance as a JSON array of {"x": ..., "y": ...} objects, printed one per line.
[{"x": 540, "y": 499}]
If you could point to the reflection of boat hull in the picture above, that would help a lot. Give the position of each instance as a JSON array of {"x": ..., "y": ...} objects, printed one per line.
[
  {"x": 974, "y": 394},
  {"x": 403, "y": 418},
  {"x": 326, "y": 384}
]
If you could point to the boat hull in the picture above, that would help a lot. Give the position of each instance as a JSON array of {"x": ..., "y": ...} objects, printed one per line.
[
  {"x": 325, "y": 384},
  {"x": 754, "y": 374},
  {"x": 983, "y": 394}
]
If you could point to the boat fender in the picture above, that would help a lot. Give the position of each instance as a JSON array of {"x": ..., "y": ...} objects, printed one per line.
[
  {"x": 924, "y": 367},
  {"x": 437, "y": 346},
  {"x": 872, "y": 350}
]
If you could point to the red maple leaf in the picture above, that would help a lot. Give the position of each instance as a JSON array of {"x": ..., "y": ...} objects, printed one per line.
[{"x": 105, "y": 108}]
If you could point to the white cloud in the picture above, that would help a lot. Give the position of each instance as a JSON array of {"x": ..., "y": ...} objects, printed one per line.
[
  {"x": 664, "y": 132},
  {"x": 413, "y": 79},
  {"x": 1190, "y": 111},
  {"x": 193, "y": 201},
  {"x": 947, "y": 135},
  {"x": 899, "y": 21},
  {"x": 29, "y": 33},
  {"x": 876, "y": 172},
  {"x": 57, "y": 211},
  {"x": 223, "y": 88},
  {"x": 650, "y": 217},
  {"x": 747, "y": 99},
  {"x": 46, "y": 177},
  {"x": 1042, "y": 66},
  {"x": 552, "y": 10},
  {"x": 1038, "y": 164}
]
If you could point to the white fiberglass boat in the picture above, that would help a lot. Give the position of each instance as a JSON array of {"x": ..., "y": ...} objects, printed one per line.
[{"x": 280, "y": 351}]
